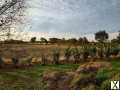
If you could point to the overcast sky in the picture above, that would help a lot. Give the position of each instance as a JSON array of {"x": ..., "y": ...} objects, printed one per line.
[{"x": 73, "y": 18}]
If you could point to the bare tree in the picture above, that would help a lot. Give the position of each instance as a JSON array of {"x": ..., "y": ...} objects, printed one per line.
[{"x": 11, "y": 12}]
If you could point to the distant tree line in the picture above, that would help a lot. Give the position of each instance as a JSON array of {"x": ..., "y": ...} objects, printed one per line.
[
  {"x": 101, "y": 37},
  {"x": 60, "y": 41}
]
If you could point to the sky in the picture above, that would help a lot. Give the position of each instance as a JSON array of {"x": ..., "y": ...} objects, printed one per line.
[{"x": 72, "y": 18}]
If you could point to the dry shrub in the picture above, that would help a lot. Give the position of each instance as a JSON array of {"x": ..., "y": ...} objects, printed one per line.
[
  {"x": 82, "y": 80},
  {"x": 92, "y": 67},
  {"x": 58, "y": 80}
]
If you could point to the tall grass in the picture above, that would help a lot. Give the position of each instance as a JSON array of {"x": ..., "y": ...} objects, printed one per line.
[
  {"x": 56, "y": 56},
  {"x": 43, "y": 59}
]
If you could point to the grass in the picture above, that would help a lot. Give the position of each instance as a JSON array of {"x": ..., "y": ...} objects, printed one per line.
[
  {"x": 29, "y": 78},
  {"x": 106, "y": 73}
]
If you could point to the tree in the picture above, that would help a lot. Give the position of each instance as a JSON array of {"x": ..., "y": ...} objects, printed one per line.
[
  {"x": 11, "y": 12},
  {"x": 83, "y": 40},
  {"x": 72, "y": 40},
  {"x": 33, "y": 39},
  {"x": 53, "y": 40},
  {"x": 80, "y": 40},
  {"x": 118, "y": 37},
  {"x": 101, "y": 36},
  {"x": 43, "y": 40}
]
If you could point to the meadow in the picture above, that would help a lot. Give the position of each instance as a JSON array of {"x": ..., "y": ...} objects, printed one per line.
[{"x": 36, "y": 67}]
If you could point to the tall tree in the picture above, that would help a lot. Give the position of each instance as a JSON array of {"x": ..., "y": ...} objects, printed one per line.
[
  {"x": 101, "y": 36},
  {"x": 43, "y": 40},
  {"x": 33, "y": 39}
]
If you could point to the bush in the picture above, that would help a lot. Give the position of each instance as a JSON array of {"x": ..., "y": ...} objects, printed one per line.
[
  {"x": 29, "y": 61},
  {"x": 1, "y": 62},
  {"x": 67, "y": 53},
  {"x": 15, "y": 61},
  {"x": 106, "y": 84},
  {"x": 114, "y": 51},
  {"x": 107, "y": 51},
  {"x": 85, "y": 54},
  {"x": 100, "y": 52},
  {"x": 56, "y": 56},
  {"x": 92, "y": 51},
  {"x": 43, "y": 59},
  {"x": 76, "y": 55}
]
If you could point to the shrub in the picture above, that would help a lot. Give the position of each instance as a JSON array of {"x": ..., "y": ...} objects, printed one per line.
[
  {"x": 92, "y": 51},
  {"x": 29, "y": 61},
  {"x": 67, "y": 53},
  {"x": 56, "y": 56},
  {"x": 15, "y": 61},
  {"x": 114, "y": 51},
  {"x": 106, "y": 84},
  {"x": 107, "y": 51},
  {"x": 76, "y": 55},
  {"x": 1, "y": 62},
  {"x": 43, "y": 59},
  {"x": 100, "y": 52},
  {"x": 85, "y": 53}
]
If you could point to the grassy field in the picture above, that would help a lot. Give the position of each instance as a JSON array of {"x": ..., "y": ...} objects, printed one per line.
[
  {"x": 24, "y": 50},
  {"x": 30, "y": 78}
]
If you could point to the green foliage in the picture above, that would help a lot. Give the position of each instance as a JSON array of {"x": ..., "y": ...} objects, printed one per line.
[
  {"x": 107, "y": 51},
  {"x": 67, "y": 54},
  {"x": 92, "y": 51},
  {"x": 106, "y": 84},
  {"x": 29, "y": 61},
  {"x": 43, "y": 59},
  {"x": 115, "y": 51},
  {"x": 15, "y": 61},
  {"x": 56, "y": 56},
  {"x": 76, "y": 54},
  {"x": 85, "y": 52},
  {"x": 33, "y": 39},
  {"x": 101, "y": 36},
  {"x": 43, "y": 40},
  {"x": 1, "y": 61},
  {"x": 100, "y": 52}
]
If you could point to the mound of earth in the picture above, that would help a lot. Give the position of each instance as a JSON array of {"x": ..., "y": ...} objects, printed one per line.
[
  {"x": 74, "y": 80},
  {"x": 92, "y": 67},
  {"x": 58, "y": 81}
]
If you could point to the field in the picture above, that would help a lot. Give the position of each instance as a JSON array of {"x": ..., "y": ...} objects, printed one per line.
[
  {"x": 37, "y": 76},
  {"x": 24, "y": 50},
  {"x": 30, "y": 78}
]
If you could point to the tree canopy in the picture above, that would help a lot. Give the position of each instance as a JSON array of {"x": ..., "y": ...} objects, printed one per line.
[{"x": 101, "y": 36}]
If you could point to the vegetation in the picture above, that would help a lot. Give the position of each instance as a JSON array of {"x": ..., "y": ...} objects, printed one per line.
[
  {"x": 101, "y": 36},
  {"x": 63, "y": 56},
  {"x": 33, "y": 39},
  {"x": 56, "y": 56}
]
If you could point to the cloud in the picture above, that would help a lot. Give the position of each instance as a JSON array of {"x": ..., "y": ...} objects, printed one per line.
[
  {"x": 115, "y": 2},
  {"x": 75, "y": 17}
]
